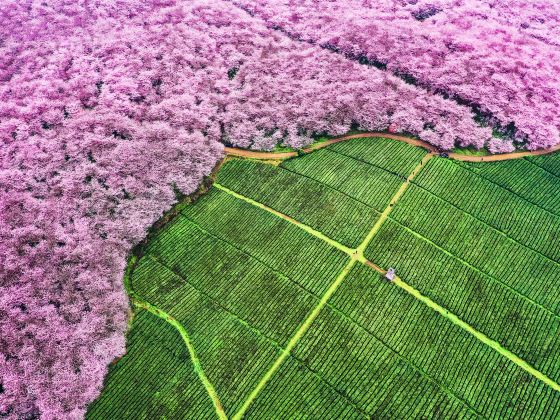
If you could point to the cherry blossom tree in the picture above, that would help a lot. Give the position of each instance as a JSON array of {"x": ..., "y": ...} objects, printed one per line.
[{"x": 498, "y": 57}]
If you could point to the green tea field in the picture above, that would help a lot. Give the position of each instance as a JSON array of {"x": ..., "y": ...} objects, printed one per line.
[{"x": 267, "y": 297}]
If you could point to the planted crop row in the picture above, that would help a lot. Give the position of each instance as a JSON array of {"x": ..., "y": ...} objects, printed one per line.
[
  {"x": 550, "y": 163},
  {"x": 241, "y": 280},
  {"x": 482, "y": 246},
  {"x": 367, "y": 183},
  {"x": 490, "y": 383},
  {"x": 315, "y": 204},
  {"x": 394, "y": 156},
  {"x": 520, "y": 219},
  {"x": 296, "y": 392},
  {"x": 219, "y": 348},
  {"x": 155, "y": 378},
  {"x": 523, "y": 178},
  {"x": 232, "y": 353},
  {"x": 378, "y": 380},
  {"x": 262, "y": 297},
  {"x": 521, "y": 326},
  {"x": 308, "y": 260}
]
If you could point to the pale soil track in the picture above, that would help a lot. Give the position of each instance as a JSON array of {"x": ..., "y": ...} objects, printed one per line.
[
  {"x": 355, "y": 255},
  {"x": 139, "y": 302},
  {"x": 251, "y": 154}
]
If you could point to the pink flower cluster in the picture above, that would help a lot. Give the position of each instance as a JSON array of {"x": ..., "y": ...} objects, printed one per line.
[
  {"x": 499, "y": 57},
  {"x": 110, "y": 108}
]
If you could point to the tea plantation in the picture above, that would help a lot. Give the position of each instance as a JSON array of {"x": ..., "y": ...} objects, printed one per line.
[{"x": 266, "y": 298}]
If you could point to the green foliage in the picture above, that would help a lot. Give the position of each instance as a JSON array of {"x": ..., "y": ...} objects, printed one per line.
[
  {"x": 232, "y": 353},
  {"x": 499, "y": 207},
  {"x": 484, "y": 302},
  {"x": 362, "y": 181},
  {"x": 302, "y": 393},
  {"x": 489, "y": 250},
  {"x": 374, "y": 310},
  {"x": 550, "y": 163},
  {"x": 155, "y": 379},
  {"x": 315, "y": 204},
  {"x": 360, "y": 366},
  {"x": 309, "y": 261},
  {"x": 224, "y": 274},
  {"x": 524, "y": 178},
  {"x": 393, "y": 156}
]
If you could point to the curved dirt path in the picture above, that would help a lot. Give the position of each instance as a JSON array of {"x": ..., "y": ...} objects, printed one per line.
[{"x": 233, "y": 151}]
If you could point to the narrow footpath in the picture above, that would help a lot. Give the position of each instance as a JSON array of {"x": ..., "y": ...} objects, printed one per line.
[
  {"x": 252, "y": 154},
  {"x": 154, "y": 310},
  {"x": 355, "y": 255}
]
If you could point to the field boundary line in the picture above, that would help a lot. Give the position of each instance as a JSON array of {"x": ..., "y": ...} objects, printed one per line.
[
  {"x": 251, "y": 154},
  {"x": 137, "y": 301},
  {"x": 505, "y": 188},
  {"x": 279, "y": 347},
  {"x": 467, "y": 327},
  {"x": 501, "y": 232},
  {"x": 355, "y": 255},
  {"x": 478, "y": 270},
  {"x": 301, "y": 225},
  {"x": 250, "y": 255},
  {"x": 396, "y": 197},
  {"x": 365, "y": 162},
  {"x": 532, "y": 162},
  {"x": 295, "y": 339},
  {"x": 332, "y": 188}
]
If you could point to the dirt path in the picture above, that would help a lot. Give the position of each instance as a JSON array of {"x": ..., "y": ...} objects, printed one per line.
[
  {"x": 396, "y": 197},
  {"x": 294, "y": 340},
  {"x": 233, "y": 151},
  {"x": 194, "y": 359}
]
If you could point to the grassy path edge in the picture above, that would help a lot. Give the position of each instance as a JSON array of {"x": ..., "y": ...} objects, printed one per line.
[
  {"x": 294, "y": 340},
  {"x": 467, "y": 327},
  {"x": 194, "y": 359},
  {"x": 137, "y": 301},
  {"x": 396, "y": 197},
  {"x": 355, "y": 255}
]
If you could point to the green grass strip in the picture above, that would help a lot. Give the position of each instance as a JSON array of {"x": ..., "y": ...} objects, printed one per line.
[
  {"x": 355, "y": 256},
  {"x": 306, "y": 228},
  {"x": 480, "y": 336},
  {"x": 194, "y": 359},
  {"x": 139, "y": 302},
  {"x": 295, "y": 339},
  {"x": 360, "y": 250},
  {"x": 460, "y": 323}
]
